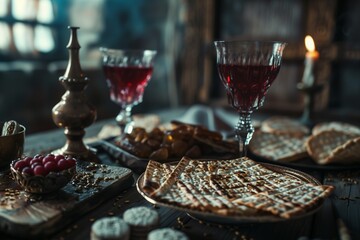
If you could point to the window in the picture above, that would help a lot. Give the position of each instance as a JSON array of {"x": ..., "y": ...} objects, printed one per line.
[{"x": 28, "y": 29}]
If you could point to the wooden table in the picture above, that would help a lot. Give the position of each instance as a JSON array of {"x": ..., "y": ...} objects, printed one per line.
[{"x": 338, "y": 218}]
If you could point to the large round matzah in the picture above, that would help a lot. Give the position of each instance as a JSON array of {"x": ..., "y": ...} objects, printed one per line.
[{"x": 212, "y": 217}]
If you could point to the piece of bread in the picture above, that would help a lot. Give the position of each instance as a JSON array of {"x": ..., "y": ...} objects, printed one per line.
[
  {"x": 278, "y": 147},
  {"x": 284, "y": 125},
  {"x": 334, "y": 147},
  {"x": 336, "y": 126},
  {"x": 349, "y": 152}
]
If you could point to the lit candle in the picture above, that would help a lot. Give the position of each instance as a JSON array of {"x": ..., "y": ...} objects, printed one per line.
[{"x": 310, "y": 59}]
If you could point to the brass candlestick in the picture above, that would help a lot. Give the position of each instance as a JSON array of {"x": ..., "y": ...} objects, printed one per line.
[
  {"x": 73, "y": 112},
  {"x": 310, "y": 93}
]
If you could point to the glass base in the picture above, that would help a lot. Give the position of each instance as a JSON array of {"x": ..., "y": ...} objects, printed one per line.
[
  {"x": 125, "y": 121},
  {"x": 244, "y": 131}
]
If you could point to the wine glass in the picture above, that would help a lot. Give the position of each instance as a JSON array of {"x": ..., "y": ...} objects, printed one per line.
[
  {"x": 127, "y": 74},
  {"x": 247, "y": 69}
]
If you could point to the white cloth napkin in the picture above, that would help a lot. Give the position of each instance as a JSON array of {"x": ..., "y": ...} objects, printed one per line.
[{"x": 199, "y": 114}]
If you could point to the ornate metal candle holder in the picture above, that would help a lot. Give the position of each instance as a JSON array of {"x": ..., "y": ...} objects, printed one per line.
[
  {"x": 310, "y": 92},
  {"x": 73, "y": 112}
]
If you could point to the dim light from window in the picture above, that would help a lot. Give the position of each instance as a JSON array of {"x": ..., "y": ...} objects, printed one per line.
[
  {"x": 45, "y": 12},
  {"x": 4, "y": 8},
  {"x": 24, "y": 9},
  {"x": 5, "y": 38},
  {"x": 23, "y": 37},
  {"x": 44, "y": 41}
]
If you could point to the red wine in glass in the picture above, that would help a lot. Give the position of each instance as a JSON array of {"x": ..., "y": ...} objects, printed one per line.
[
  {"x": 127, "y": 84},
  {"x": 247, "y": 85},
  {"x": 127, "y": 73},
  {"x": 247, "y": 69}
]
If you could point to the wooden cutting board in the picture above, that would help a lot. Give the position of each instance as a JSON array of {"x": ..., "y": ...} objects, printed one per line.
[{"x": 27, "y": 215}]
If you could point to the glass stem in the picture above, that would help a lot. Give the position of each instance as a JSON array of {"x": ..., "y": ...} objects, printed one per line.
[
  {"x": 124, "y": 120},
  {"x": 244, "y": 131}
]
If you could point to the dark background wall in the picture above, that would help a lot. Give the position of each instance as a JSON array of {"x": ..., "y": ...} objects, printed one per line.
[
  {"x": 182, "y": 32},
  {"x": 29, "y": 86}
]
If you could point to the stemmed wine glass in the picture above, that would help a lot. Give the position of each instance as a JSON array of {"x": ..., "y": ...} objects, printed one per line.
[
  {"x": 247, "y": 70},
  {"x": 127, "y": 74}
]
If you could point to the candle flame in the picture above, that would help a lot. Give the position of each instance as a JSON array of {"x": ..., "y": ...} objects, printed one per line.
[{"x": 309, "y": 43}]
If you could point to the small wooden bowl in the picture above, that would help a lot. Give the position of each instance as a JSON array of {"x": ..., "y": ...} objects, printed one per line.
[{"x": 52, "y": 182}]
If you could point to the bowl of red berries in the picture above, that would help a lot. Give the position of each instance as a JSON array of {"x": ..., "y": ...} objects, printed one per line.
[{"x": 43, "y": 173}]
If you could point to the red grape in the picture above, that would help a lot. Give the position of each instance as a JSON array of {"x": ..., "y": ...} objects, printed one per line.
[
  {"x": 38, "y": 156},
  {"x": 48, "y": 158},
  {"x": 35, "y": 160},
  {"x": 71, "y": 162},
  {"x": 28, "y": 171},
  {"x": 27, "y": 160},
  {"x": 41, "y": 165},
  {"x": 19, "y": 165},
  {"x": 50, "y": 166},
  {"x": 40, "y": 171},
  {"x": 36, "y": 164},
  {"x": 58, "y": 157},
  {"x": 62, "y": 164}
]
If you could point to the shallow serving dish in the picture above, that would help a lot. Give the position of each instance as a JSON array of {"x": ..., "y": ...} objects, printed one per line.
[
  {"x": 52, "y": 182},
  {"x": 139, "y": 164},
  {"x": 238, "y": 219}
]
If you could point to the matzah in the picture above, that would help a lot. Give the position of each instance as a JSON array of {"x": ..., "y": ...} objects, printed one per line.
[
  {"x": 336, "y": 126},
  {"x": 278, "y": 147},
  {"x": 237, "y": 187},
  {"x": 284, "y": 125},
  {"x": 155, "y": 175},
  {"x": 171, "y": 178},
  {"x": 334, "y": 147}
]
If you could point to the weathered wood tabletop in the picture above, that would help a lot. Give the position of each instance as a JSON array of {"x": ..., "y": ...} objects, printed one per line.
[{"x": 338, "y": 218}]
